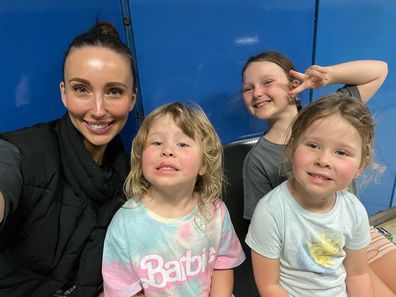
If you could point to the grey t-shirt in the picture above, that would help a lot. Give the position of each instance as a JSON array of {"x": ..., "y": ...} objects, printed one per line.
[
  {"x": 262, "y": 165},
  {"x": 10, "y": 177}
]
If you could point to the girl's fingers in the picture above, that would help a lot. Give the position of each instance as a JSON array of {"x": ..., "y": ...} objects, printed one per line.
[
  {"x": 298, "y": 75},
  {"x": 297, "y": 90}
]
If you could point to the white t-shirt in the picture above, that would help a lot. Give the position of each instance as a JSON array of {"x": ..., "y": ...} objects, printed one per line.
[{"x": 309, "y": 245}]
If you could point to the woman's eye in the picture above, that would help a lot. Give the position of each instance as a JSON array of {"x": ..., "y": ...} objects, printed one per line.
[
  {"x": 80, "y": 89},
  {"x": 115, "y": 92},
  {"x": 267, "y": 82}
]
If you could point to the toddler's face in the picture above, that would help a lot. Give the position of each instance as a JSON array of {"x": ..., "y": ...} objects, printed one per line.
[{"x": 170, "y": 158}]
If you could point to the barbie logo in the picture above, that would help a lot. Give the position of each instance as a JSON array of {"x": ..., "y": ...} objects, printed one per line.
[{"x": 161, "y": 274}]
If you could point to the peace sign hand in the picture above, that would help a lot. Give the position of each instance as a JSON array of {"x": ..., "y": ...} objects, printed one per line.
[{"x": 314, "y": 77}]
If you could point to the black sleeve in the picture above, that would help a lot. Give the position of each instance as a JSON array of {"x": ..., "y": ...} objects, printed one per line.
[{"x": 10, "y": 177}]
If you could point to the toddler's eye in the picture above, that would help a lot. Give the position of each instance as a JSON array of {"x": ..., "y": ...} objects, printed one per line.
[
  {"x": 156, "y": 143},
  {"x": 342, "y": 153},
  {"x": 183, "y": 144}
]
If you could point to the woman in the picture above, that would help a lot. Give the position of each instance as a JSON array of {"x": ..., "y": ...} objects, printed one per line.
[
  {"x": 63, "y": 180},
  {"x": 270, "y": 87}
]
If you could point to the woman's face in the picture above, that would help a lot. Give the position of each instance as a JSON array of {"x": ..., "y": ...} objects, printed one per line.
[
  {"x": 265, "y": 90},
  {"x": 98, "y": 92}
]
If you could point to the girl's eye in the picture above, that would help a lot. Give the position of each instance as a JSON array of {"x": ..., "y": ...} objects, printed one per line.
[
  {"x": 115, "y": 92},
  {"x": 267, "y": 82},
  {"x": 183, "y": 144},
  {"x": 247, "y": 89},
  {"x": 156, "y": 143},
  {"x": 313, "y": 145}
]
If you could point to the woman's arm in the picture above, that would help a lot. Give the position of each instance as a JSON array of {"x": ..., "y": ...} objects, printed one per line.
[
  {"x": 266, "y": 274},
  {"x": 358, "y": 280},
  {"x": 222, "y": 283},
  {"x": 10, "y": 179},
  {"x": 367, "y": 75}
]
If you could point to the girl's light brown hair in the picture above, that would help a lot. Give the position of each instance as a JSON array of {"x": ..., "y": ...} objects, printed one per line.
[
  {"x": 194, "y": 123},
  {"x": 350, "y": 109}
]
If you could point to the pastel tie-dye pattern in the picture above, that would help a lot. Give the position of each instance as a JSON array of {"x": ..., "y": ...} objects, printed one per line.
[{"x": 167, "y": 257}]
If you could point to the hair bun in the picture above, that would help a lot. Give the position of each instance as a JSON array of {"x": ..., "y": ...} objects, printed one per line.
[{"x": 105, "y": 28}]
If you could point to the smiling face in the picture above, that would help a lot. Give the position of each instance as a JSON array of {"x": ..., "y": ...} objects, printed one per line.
[
  {"x": 170, "y": 158},
  {"x": 98, "y": 93},
  {"x": 326, "y": 159},
  {"x": 265, "y": 90}
]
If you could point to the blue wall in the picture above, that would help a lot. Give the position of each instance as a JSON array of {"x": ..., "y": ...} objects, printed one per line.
[{"x": 193, "y": 50}]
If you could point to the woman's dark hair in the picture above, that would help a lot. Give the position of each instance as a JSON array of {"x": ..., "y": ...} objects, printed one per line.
[{"x": 103, "y": 35}]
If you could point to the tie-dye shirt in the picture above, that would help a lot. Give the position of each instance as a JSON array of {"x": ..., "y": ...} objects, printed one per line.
[{"x": 167, "y": 257}]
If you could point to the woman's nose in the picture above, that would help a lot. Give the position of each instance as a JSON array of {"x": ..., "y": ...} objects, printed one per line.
[{"x": 98, "y": 105}]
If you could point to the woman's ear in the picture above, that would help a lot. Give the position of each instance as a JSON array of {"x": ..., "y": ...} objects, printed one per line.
[
  {"x": 63, "y": 93},
  {"x": 133, "y": 101}
]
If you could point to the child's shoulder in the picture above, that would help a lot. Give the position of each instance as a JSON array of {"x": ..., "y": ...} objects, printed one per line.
[
  {"x": 349, "y": 198},
  {"x": 273, "y": 196},
  {"x": 128, "y": 207}
]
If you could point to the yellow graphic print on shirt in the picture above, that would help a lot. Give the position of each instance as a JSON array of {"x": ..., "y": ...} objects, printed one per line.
[{"x": 324, "y": 249}]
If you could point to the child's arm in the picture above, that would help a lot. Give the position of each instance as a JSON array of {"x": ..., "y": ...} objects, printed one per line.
[
  {"x": 358, "y": 280},
  {"x": 367, "y": 75},
  {"x": 222, "y": 283},
  {"x": 266, "y": 274}
]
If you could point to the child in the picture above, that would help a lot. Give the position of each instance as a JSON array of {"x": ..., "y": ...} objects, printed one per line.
[
  {"x": 309, "y": 236},
  {"x": 174, "y": 237}
]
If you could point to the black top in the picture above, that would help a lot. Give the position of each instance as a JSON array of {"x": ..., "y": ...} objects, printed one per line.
[{"x": 58, "y": 204}]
